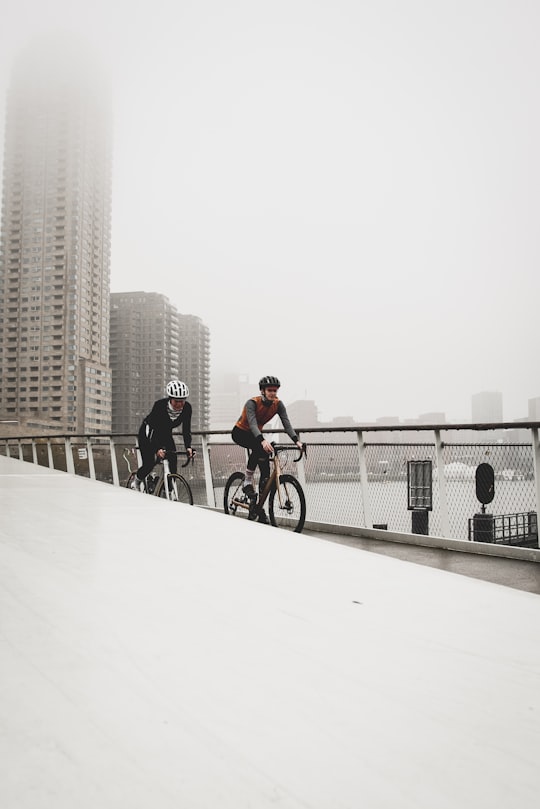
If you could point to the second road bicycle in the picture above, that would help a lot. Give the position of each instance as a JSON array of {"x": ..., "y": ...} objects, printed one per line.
[
  {"x": 286, "y": 499},
  {"x": 161, "y": 482}
]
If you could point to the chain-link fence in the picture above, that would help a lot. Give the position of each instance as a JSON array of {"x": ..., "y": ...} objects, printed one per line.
[{"x": 348, "y": 479}]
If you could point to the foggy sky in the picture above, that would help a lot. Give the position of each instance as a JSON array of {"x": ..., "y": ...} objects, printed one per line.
[{"x": 346, "y": 192}]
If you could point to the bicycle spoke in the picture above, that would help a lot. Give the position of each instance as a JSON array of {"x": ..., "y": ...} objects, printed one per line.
[
  {"x": 235, "y": 502},
  {"x": 287, "y": 506},
  {"x": 179, "y": 490}
]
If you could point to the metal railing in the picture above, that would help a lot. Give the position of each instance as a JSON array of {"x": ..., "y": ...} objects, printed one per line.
[
  {"x": 505, "y": 529},
  {"x": 351, "y": 476}
]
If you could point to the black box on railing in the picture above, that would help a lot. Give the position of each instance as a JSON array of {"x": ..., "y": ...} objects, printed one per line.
[
  {"x": 483, "y": 528},
  {"x": 420, "y": 521}
]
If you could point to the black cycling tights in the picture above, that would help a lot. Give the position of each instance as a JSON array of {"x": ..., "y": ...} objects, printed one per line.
[
  {"x": 257, "y": 455},
  {"x": 148, "y": 455}
]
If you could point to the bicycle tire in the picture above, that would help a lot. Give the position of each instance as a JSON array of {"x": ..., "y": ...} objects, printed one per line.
[
  {"x": 129, "y": 480},
  {"x": 287, "y": 509},
  {"x": 179, "y": 492},
  {"x": 235, "y": 502}
]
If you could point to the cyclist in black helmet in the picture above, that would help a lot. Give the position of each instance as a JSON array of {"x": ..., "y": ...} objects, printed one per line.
[
  {"x": 247, "y": 432},
  {"x": 155, "y": 433}
]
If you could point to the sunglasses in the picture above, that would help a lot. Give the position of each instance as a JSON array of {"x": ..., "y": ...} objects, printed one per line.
[{"x": 272, "y": 390}]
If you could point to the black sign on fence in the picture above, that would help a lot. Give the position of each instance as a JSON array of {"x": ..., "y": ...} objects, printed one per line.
[
  {"x": 420, "y": 494},
  {"x": 419, "y": 485},
  {"x": 485, "y": 484}
]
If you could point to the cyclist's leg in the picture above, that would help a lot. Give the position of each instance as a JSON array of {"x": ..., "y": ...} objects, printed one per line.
[
  {"x": 133, "y": 482},
  {"x": 264, "y": 468},
  {"x": 148, "y": 456},
  {"x": 170, "y": 446},
  {"x": 246, "y": 439}
]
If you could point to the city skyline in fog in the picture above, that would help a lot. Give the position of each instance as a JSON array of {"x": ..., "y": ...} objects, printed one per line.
[{"x": 346, "y": 193}]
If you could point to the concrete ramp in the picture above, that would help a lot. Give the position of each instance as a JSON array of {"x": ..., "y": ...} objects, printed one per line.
[{"x": 159, "y": 656}]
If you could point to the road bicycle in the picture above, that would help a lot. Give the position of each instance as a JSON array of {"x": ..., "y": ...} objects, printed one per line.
[
  {"x": 286, "y": 499},
  {"x": 161, "y": 482}
]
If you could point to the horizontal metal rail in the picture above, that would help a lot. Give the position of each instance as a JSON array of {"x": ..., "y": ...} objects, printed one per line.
[{"x": 353, "y": 476}]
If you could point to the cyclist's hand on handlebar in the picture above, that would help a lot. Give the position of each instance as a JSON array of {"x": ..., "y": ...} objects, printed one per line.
[
  {"x": 267, "y": 446},
  {"x": 161, "y": 453},
  {"x": 191, "y": 452}
]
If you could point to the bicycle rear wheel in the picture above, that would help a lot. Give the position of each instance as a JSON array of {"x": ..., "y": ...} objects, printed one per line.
[
  {"x": 235, "y": 502},
  {"x": 179, "y": 490},
  {"x": 287, "y": 504},
  {"x": 130, "y": 481}
]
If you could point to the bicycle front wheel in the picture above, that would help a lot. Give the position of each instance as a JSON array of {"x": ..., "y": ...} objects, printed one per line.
[
  {"x": 287, "y": 504},
  {"x": 179, "y": 490},
  {"x": 235, "y": 502}
]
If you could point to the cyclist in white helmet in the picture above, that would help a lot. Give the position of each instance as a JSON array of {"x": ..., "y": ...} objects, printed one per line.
[
  {"x": 155, "y": 433},
  {"x": 247, "y": 432}
]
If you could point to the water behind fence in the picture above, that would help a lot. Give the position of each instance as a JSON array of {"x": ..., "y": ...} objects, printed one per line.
[{"x": 348, "y": 479}]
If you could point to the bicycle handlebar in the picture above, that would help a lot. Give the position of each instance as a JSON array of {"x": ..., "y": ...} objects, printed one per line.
[
  {"x": 182, "y": 452},
  {"x": 288, "y": 448}
]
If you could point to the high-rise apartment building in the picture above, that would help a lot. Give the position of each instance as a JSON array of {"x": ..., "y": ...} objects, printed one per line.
[
  {"x": 151, "y": 343},
  {"x": 194, "y": 365},
  {"x": 55, "y": 244}
]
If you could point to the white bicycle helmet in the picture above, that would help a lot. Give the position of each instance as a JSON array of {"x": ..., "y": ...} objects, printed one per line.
[{"x": 177, "y": 389}]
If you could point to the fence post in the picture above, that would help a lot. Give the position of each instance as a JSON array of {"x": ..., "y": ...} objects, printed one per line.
[
  {"x": 301, "y": 471},
  {"x": 441, "y": 482},
  {"x": 91, "y": 467},
  {"x": 364, "y": 486},
  {"x": 210, "y": 495},
  {"x": 34, "y": 451},
  {"x": 50, "y": 454},
  {"x": 114, "y": 465},
  {"x": 70, "y": 465},
  {"x": 536, "y": 458}
]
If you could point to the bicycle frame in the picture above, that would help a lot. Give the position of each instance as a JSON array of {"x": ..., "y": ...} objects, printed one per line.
[
  {"x": 164, "y": 470},
  {"x": 284, "y": 493},
  {"x": 274, "y": 477}
]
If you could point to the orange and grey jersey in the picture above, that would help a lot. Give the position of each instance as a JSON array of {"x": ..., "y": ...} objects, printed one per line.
[{"x": 257, "y": 412}]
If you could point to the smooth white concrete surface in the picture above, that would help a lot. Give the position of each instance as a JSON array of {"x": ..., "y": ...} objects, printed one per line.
[{"x": 157, "y": 656}]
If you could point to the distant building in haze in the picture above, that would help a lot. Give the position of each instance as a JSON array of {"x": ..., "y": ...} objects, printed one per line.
[
  {"x": 534, "y": 409},
  {"x": 303, "y": 413},
  {"x": 432, "y": 418},
  {"x": 152, "y": 343},
  {"x": 194, "y": 366},
  {"x": 487, "y": 407},
  {"x": 55, "y": 243},
  {"x": 229, "y": 394}
]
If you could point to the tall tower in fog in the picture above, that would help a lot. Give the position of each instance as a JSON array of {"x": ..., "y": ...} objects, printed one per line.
[
  {"x": 151, "y": 343},
  {"x": 487, "y": 407},
  {"x": 55, "y": 243}
]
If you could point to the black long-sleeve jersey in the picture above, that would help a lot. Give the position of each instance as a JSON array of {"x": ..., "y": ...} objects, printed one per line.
[{"x": 157, "y": 426}]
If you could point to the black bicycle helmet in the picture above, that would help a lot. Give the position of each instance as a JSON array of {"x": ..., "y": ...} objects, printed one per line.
[{"x": 269, "y": 381}]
